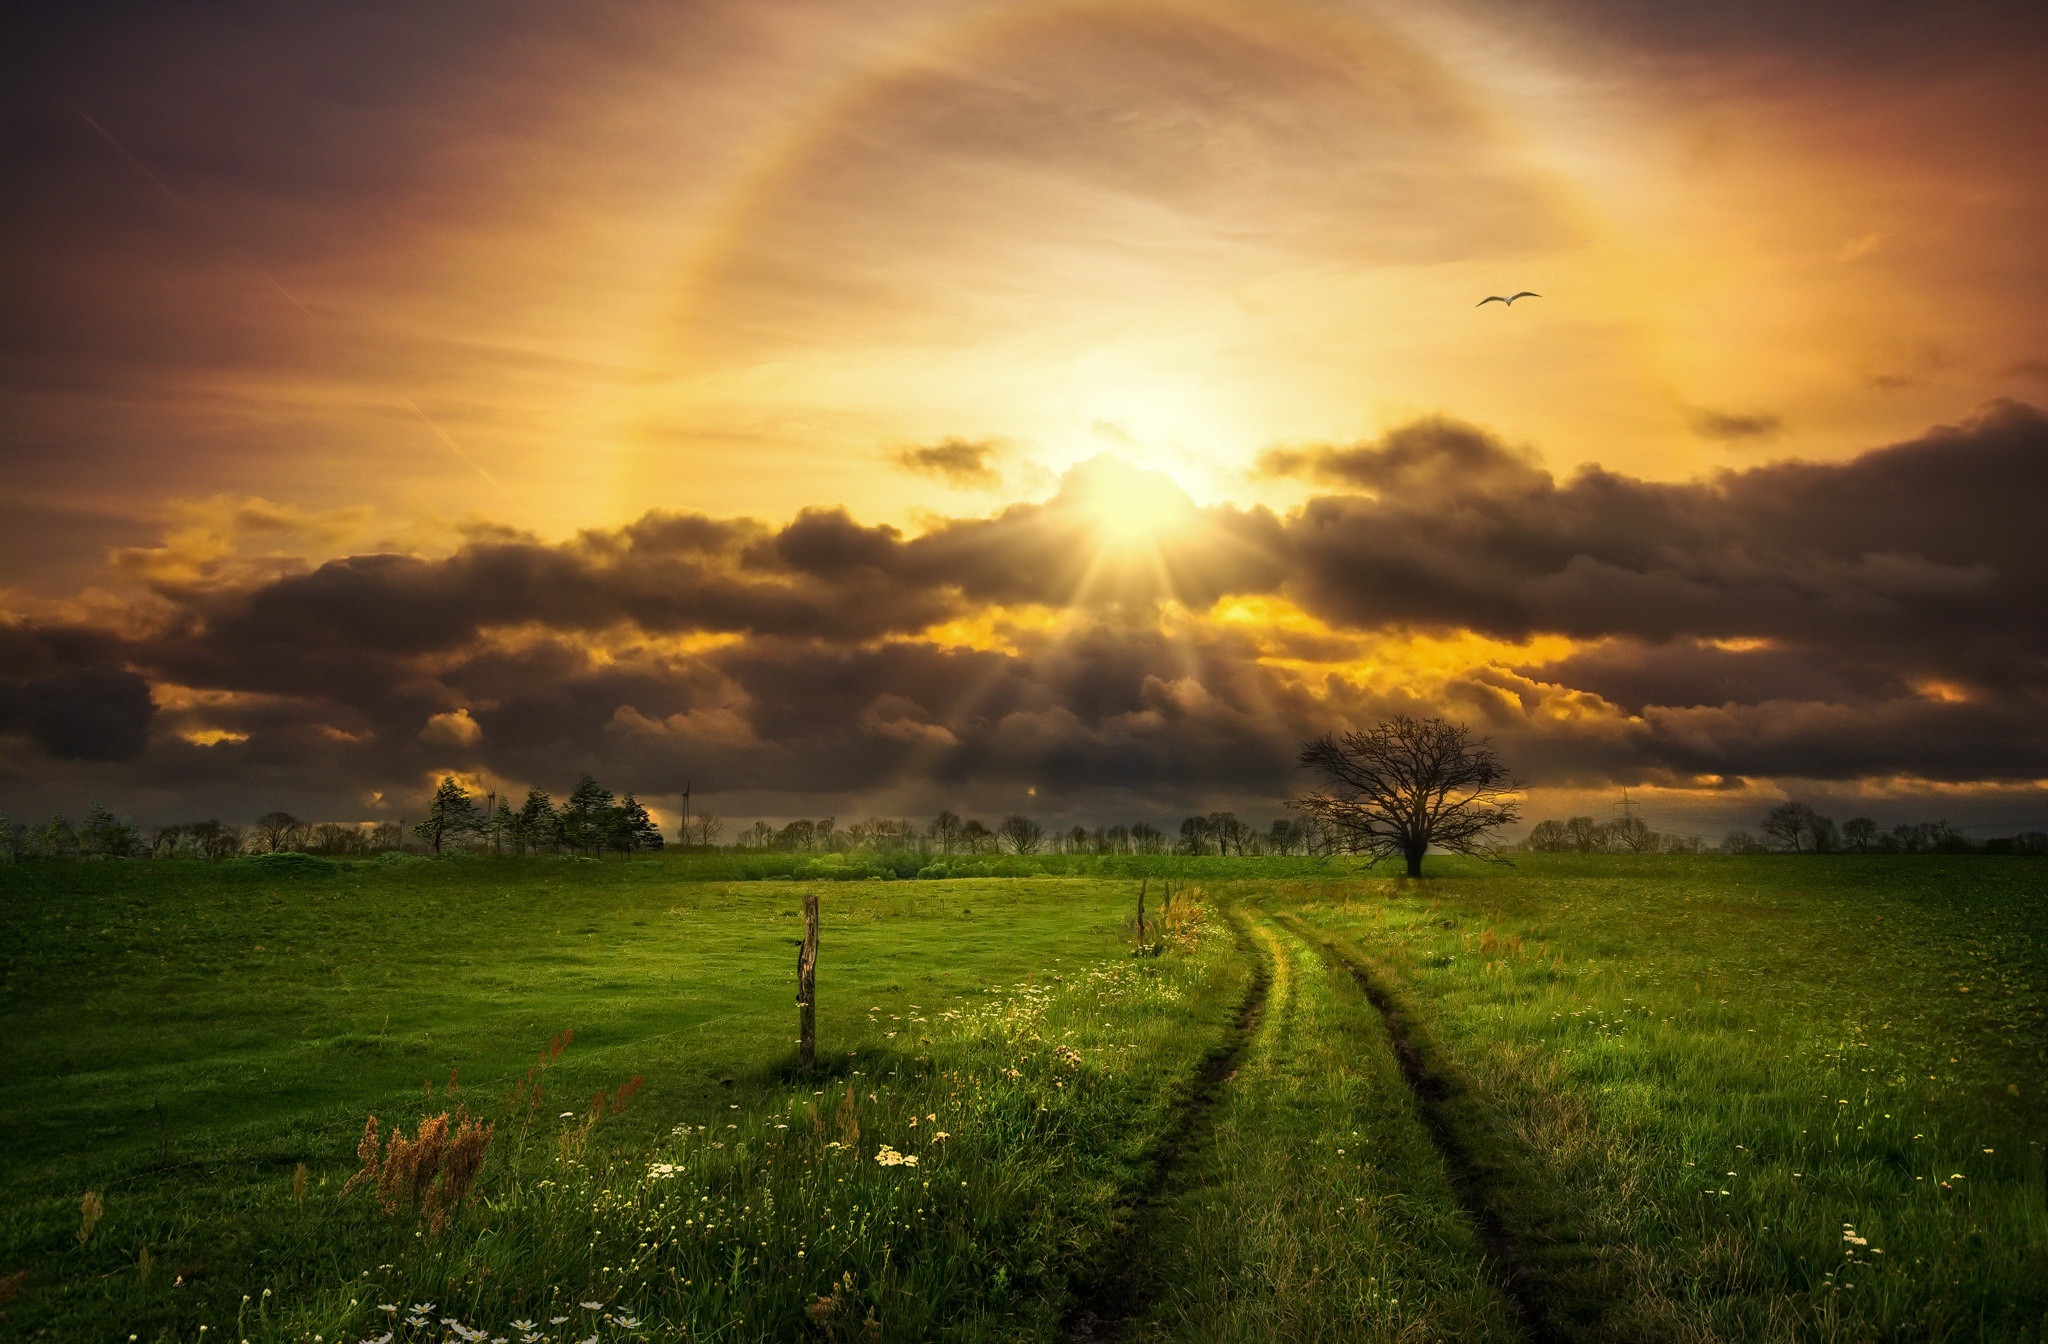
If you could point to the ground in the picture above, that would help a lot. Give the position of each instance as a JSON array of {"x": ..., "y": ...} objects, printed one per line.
[{"x": 1776, "y": 1098}]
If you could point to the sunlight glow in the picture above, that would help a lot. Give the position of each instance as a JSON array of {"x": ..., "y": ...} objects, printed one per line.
[{"x": 1130, "y": 509}]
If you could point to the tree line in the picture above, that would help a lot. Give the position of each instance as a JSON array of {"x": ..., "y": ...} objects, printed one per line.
[
  {"x": 1788, "y": 828},
  {"x": 592, "y": 821},
  {"x": 950, "y": 834}
]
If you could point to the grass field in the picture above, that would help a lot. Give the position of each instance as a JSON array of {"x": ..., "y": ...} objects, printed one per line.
[{"x": 1603, "y": 1099}]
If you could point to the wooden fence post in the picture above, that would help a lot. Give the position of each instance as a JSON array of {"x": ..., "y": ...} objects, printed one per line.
[
  {"x": 807, "y": 984},
  {"x": 1143, "y": 882}
]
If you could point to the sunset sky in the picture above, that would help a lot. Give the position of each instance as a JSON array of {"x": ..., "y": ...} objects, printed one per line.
[{"x": 1064, "y": 408}]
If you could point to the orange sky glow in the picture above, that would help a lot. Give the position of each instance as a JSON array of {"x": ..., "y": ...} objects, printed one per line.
[{"x": 1125, "y": 335}]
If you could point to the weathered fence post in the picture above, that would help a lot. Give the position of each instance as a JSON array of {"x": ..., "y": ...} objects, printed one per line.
[
  {"x": 1143, "y": 882},
  {"x": 807, "y": 984}
]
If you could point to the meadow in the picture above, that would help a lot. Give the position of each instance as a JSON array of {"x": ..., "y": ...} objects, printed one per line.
[{"x": 1597, "y": 1098}]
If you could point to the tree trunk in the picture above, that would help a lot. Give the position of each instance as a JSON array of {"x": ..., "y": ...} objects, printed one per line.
[
  {"x": 1414, "y": 857},
  {"x": 807, "y": 985}
]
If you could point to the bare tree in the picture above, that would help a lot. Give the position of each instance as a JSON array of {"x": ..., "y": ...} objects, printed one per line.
[
  {"x": 1021, "y": 834},
  {"x": 945, "y": 831},
  {"x": 278, "y": 831},
  {"x": 1799, "y": 828},
  {"x": 1408, "y": 784}
]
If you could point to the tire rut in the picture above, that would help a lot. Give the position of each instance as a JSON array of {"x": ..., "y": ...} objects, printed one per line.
[
  {"x": 1105, "y": 1305},
  {"x": 1475, "y": 1185}
]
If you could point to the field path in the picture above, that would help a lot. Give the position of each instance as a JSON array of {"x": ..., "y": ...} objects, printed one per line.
[
  {"x": 1308, "y": 1203},
  {"x": 1474, "y": 1180},
  {"x": 1105, "y": 1305}
]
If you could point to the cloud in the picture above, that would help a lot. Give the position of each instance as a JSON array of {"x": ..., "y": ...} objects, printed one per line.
[
  {"x": 1731, "y": 427},
  {"x": 1880, "y": 617},
  {"x": 452, "y": 729},
  {"x": 2036, "y": 369},
  {"x": 1913, "y": 553},
  {"x": 965, "y": 464},
  {"x": 81, "y": 714}
]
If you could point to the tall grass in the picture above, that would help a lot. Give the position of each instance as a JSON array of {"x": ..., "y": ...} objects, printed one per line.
[{"x": 944, "y": 1186}]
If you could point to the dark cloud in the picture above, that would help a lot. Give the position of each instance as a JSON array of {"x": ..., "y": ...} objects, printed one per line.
[
  {"x": 85, "y": 714},
  {"x": 1883, "y": 616},
  {"x": 1731, "y": 427},
  {"x": 2036, "y": 369},
  {"x": 963, "y": 463},
  {"x": 1916, "y": 554}
]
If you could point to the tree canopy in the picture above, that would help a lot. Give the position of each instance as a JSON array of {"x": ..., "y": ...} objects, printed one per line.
[{"x": 1409, "y": 784}]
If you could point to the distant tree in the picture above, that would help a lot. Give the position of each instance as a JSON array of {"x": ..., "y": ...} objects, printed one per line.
[
  {"x": 59, "y": 841},
  {"x": 1409, "y": 784},
  {"x": 1946, "y": 839},
  {"x": 1147, "y": 839},
  {"x": 1286, "y": 836},
  {"x": 1742, "y": 842},
  {"x": 1633, "y": 835},
  {"x": 451, "y": 815},
  {"x": 976, "y": 838},
  {"x": 1077, "y": 840},
  {"x": 1194, "y": 835},
  {"x": 105, "y": 836},
  {"x": 214, "y": 840},
  {"x": 1860, "y": 834},
  {"x": 1020, "y": 834},
  {"x": 332, "y": 837},
  {"x": 797, "y": 836},
  {"x": 706, "y": 829},
  {"x": 385, "y": 837},
  {"x": 1583, "y": 835},
  {"x": 629, "y": 828},
  {"x": 277, "y": 832},
  {"x": 13, "y": 839},
  {"x": 1548, "y": 837},
  {"x": 582, "y": 817},
  {"x": 1799, "y": 828},
  {"x": 534, "y": 826}
]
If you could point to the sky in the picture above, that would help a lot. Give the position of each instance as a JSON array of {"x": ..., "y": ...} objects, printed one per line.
[{"x": 865, "y": 408}]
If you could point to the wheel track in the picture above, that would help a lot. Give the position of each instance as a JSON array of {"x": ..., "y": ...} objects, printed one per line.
[
  {"x": 1106, "y": 1304},
  {"x": 1476, "y": 1186}
]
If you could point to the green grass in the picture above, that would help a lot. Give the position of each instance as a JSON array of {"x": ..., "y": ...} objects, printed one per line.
[
  {"x": 1619, "y": 1035},
  {"x": 1316, "y": 1209},
  {"x": 1745, "y": 1099}
]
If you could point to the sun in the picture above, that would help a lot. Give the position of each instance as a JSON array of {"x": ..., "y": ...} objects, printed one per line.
[{"x": 1129, "y": 509}]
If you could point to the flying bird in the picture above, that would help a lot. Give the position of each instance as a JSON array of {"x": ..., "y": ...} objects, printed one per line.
[{"x": 1509, "y": 300}]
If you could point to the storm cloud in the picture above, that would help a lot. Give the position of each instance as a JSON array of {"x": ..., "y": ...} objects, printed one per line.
[{"x": 1884, "y": 616}]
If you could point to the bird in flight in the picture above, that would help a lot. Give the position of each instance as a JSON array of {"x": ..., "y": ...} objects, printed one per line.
[{"x": 1509, "y": 299}]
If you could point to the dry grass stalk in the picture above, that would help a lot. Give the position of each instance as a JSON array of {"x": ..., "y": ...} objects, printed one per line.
[
  {"x": 366, "y": 1159},
  {"x": 433, "y": 1172},
  {"x": 839, "y": 1311},
  {"x": 849, "y": 1118},
  {"x": 90, "y": 1210},
  {"x": 299, "y": 1185},
  {"x": 11, "y": 1284}
]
